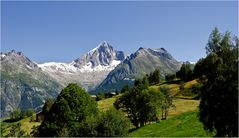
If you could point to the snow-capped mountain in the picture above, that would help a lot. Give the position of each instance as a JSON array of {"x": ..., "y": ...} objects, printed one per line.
[
  {"x": 100, "y": 57},
  {"x": 88, "y": 70}
]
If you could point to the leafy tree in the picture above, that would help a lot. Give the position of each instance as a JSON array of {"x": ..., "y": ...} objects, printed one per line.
[
  {"x": 127, "y": 102},
  {"x": 167, "y": 101},
  {"x": 141, "y": 105},
  {"x": 47, "y": 106},
  {"x": 148, "y": 105},
  {"x": 219, "y": 70},
  {"x": 72, "y": 107},
  {"x": 112, "y": 123}
]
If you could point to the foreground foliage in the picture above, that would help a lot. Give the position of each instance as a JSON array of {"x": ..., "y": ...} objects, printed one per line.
[
  {"x": 72, "y": 107},
  {"x": 75, "y": 114},
  {"x": 219, "y": 74}
]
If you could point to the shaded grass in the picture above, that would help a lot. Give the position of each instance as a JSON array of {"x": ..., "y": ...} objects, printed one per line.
[
  {"x": 25, "y": 124},
  {"x": 184, "y": 125}
]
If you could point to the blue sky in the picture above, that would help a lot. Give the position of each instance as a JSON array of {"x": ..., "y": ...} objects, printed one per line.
[{"x": 63, "y": 31}]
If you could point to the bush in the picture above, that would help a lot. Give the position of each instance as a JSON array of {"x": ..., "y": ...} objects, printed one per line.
[{"x": 112, "y": 123}]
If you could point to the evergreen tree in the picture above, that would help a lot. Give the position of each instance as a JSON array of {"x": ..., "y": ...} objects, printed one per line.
[
  {"x": 219, "y": 70},
  {"x": 170, "y": 77},
  {"x": 185, "y": 72}
]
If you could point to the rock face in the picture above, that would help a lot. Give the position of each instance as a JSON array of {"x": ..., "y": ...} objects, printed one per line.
[
  {"x": 26, "y": 84},
  {"x": 23, "y": 84},
  {"x": 142, "y": 62},
  {"x": 89, "y": 70},
  {"x": 102, "y": 55}
]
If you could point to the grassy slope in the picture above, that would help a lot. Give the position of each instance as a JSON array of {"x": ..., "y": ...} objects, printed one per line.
[
  {"x": 26, "y": 125},
  {"x": 174, "y": 87},
  {"x": 105, "y": 104},
  {"x": 186, "y": 124}
]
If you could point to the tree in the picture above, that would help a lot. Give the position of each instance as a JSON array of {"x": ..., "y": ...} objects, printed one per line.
[
  {"x": 185, "y": 72},
  {"x": 213, "y": 45},
  {"x": 72, "y": 106},
  {"x": 125, "y": 89},
  {"x": 148, "y": 105},
  {"x": 16, "y": 114},
  {"x": 219, "y": 101},
  {"x": 167, "y": 101},
  {"x": 154, "y": 77},
  {"x": 29, "y": 112},
  {"x": 141, "y": 105},
  {"x": 127, "y": 102},
  {"x": 112, "y": 123},
  {"x": 170, "y": 77},
  {"x": 47, "y": 106}
]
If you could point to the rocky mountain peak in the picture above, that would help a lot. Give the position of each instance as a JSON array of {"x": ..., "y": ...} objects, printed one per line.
[
  {"x": 102, "y": 55},
  {"x": 17, "y": 58}
]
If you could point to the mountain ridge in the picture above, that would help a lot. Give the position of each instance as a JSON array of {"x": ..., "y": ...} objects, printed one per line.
[{"x": 143, "y": 61}]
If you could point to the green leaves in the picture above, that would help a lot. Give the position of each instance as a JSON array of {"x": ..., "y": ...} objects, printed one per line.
[
  {"x": 219, "y": 102},
  {"x": 71, "y": 108}
]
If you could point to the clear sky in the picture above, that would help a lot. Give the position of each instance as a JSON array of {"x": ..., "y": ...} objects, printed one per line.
[{"x": 63, "y": 31}]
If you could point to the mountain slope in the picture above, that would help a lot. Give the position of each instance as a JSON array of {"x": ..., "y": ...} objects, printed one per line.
[
  {"x": 89, "y": 70},
  {"x": 23, "y": 84},
  {"x": 142, "y": 62}
]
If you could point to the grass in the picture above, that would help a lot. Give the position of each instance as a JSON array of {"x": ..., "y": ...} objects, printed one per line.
[
  {"x": 25, "y": 124},
  {"x": 174, "y": 87},
  {"x": 184, "y": 125},
  {"x": 182, "y": 106},
  {"x": 105, "y": 104}
]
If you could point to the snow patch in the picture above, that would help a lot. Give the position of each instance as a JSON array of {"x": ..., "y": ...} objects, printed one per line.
[
  {"x": 70, "y": 68},
  {"x": 88, "y": 67},
  {"x": 56, "y": 66}
]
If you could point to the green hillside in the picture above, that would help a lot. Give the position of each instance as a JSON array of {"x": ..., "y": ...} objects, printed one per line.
[
  {"x": 19, "y": 128},
  {"x": 177, "y": 115},
  {"x": 184, "y": 125}
]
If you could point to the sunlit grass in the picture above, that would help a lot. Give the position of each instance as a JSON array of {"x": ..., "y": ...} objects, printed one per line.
[{"x": 183, "y": 125}]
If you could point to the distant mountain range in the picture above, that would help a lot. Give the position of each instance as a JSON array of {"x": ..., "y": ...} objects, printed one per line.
[
  {"x": 142, "y": 62},
  {"x": 26, "y": 84}
]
